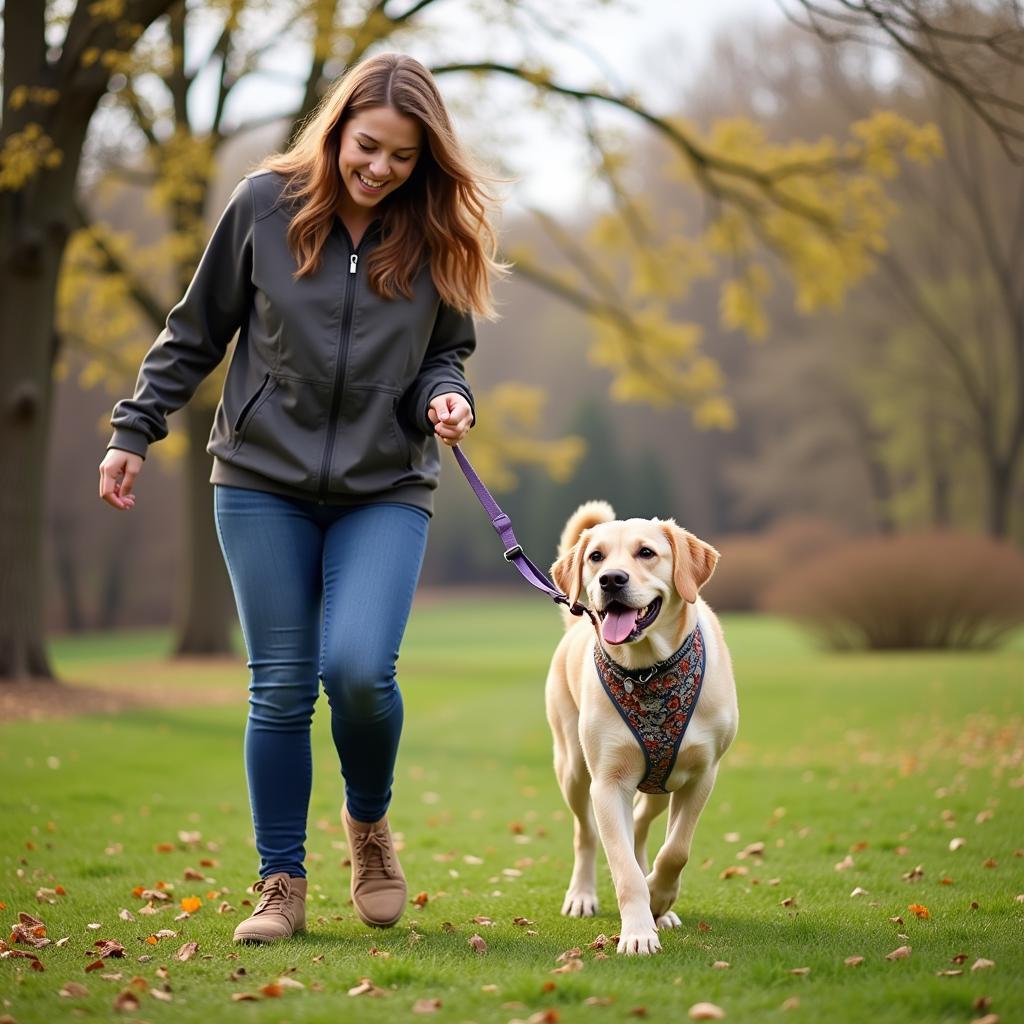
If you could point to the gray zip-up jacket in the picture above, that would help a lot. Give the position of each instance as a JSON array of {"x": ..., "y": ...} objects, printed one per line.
[{"x": 327, "y": 393}]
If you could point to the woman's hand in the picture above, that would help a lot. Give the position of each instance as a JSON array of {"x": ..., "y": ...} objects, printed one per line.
[
  {"x": 118, "y": 471},
  {"x": 452, "y": 417}
]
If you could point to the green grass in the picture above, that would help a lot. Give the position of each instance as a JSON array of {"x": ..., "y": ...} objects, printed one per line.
[{"x": 898, "y": 752}]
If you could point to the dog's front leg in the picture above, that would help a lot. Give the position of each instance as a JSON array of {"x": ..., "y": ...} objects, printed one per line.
[
  {"x": 613, "y": 809},
  {"x": 663, "y": 881}
]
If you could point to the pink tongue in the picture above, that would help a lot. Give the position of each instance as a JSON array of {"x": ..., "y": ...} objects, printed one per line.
[{"x": 618, "y": 625}]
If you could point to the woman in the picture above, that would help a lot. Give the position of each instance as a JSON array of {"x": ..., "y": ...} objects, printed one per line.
[{"x": 351, "y": 267}]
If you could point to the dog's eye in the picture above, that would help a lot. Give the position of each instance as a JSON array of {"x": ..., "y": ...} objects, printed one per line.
[
  {"x": 645, "y": 553},
  {"x": 596, "y": 556}
]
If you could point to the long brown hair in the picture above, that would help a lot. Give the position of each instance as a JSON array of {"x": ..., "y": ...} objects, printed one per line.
[{"x": 440, "y": 213}]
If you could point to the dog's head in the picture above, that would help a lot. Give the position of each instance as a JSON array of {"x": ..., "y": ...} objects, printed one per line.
[{"x": 632, "y": 570}]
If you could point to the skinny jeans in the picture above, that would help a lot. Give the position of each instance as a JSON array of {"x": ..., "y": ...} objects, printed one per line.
[{"x": 323, "y": 595}]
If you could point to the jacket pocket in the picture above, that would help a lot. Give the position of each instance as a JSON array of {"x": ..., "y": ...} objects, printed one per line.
[
  {"x": 249, "y": 409},
  {"x": 371, "y": 452}
]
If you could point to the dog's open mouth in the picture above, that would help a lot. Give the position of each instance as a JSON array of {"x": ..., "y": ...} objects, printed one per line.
[{"x": 621, "y": 624}]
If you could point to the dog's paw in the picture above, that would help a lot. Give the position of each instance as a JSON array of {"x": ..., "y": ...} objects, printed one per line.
[
  {"x": 578, "y": 904},
  {"x": 639, "y": 942},
  {"x": 669, "y": 920}
]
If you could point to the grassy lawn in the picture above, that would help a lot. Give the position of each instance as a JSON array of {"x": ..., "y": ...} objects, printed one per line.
[{"x": 880, "y": 759}]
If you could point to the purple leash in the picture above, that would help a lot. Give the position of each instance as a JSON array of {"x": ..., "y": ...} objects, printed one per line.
[{"x": 513, "y": 549}]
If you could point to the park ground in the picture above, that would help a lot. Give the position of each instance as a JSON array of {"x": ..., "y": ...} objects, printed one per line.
[{"x": 887, "y": 791}]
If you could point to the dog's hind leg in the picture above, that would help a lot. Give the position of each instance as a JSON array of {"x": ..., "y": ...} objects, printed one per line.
[
  {"x": 684, "y": 811},
  {"x": 646, "y": 807}
]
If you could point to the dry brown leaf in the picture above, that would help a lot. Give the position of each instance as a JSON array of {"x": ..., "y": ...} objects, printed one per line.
[
  {"x": 913, "y": 876},
  {"x": 956, "y": 843},
  {"x": 478, "y": 944},
  {"x": 733, "y": 871},
  {"x": 789, "y": 901},
  {"x": 960, "y": 958},
  {"x": 162, "y": 994},
  {"x": 706, "y": 1011},
  {"x": 421, "y": 899},
  {"x": 96, "y": 965},
  {"x": 568, "y": 967},
  {"x": 244, "y": 997},
  {"x": 73, "y": 990},
  {"x": 845, "y": 864},
  {"x": 523, "y": 922},
  {"x": 271, "y": 990},
  {"x": 126, "y": 1001},
  {"x": 598, "y": 1001},
  {"x": 792, "y": 1003},
  {"x": 366, "y": 988},
  {"x": 108, "y": 947},
  {"x": 853, "y": 961},
  {"x": 982, "y": 964},
  {"x": 382, "y": 953},
  {"x": 426, "y": 1006},
  {"x": 800, "y": 970},
  {"x": 484, "y": 920},
  {"x": 721, "y": 965},
  {"x": 858, "y": 891},
  {"x": 900, "y": 953},
  {"x": 600, "y": 942},
  {"x": 949, "y": 974},
  {"x": 187, "y": 951},
  {"x": 543, "y": 1017},
  {"x": 569, "y": 954},
  {"x": 989, "y": 1018}
]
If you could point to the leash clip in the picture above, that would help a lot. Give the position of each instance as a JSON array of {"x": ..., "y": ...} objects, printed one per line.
[{"x": 513, "y": 552}]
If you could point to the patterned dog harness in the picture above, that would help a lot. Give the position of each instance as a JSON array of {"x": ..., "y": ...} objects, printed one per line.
[{"x": 657, "y": 708}]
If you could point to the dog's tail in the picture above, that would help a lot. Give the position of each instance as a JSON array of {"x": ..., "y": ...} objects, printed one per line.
[{"x": 589, "y": 514}]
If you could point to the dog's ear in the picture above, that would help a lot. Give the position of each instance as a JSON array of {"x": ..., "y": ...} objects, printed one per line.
[
  {"x": 567, "y": 572},
  {"x": 693, "y": 561}
]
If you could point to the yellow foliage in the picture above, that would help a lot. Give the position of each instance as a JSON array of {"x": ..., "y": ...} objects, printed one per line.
[
  {"x": 107, "y": 10},
  {"x": 506, "y": 438},
  {"x": 24, "y": 155}
]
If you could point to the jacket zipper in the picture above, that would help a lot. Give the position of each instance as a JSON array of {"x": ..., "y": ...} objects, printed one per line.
[{"x": 339, "y": 371}]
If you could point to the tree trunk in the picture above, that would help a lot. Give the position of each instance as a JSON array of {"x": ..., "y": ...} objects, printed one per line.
[
  {"x": 208, "y": 610},
  {"x": 1000, "y": 493},
  {"x": 30, "y": 256}
]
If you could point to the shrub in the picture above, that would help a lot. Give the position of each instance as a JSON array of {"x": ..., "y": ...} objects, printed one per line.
[
  {"x": 751, "y": 562},
  {"x": 930, "y": 590}
]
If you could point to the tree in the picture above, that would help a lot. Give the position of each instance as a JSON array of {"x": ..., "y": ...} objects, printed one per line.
[
  {"x": 50, "y": 92},
  {"x": 812, "y": 204}
]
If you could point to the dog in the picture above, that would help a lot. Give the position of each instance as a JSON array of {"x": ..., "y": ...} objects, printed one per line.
[{"x": 620, "y": 767}]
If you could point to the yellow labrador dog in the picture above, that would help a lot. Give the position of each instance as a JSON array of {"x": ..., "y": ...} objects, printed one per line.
[{"x": 649, "y": 704}]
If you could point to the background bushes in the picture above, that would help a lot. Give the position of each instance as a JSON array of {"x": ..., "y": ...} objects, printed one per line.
[{"x": 928, "y": 590}]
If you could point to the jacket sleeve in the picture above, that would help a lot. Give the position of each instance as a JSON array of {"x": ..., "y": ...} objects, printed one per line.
[
  {"x": 197, "y": 331},
  {"x": 451, "y": 343}
]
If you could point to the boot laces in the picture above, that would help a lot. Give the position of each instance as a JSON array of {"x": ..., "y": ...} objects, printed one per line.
[
  {"x": 273, "y": 895},
  {"x": 373, "y": 853}
]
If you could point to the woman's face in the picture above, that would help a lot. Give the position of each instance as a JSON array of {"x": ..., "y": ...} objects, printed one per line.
[{"x": 379, "y": 149}]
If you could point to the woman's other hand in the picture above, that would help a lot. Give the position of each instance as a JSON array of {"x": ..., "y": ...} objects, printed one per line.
[
  {"x": 118, "y": 471},
  {"x": 452, "y": 417}
]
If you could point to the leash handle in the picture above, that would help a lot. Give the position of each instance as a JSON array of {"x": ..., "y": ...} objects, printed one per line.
[{"x": 513, "y": 549}]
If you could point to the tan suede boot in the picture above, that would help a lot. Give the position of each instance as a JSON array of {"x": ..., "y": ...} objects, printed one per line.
[
  {"x": 280, "y": 913},
  {"x": 378, "y": 888}
]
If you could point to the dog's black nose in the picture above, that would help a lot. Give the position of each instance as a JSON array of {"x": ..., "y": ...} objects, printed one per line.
[{"x": 614, "y": 580}]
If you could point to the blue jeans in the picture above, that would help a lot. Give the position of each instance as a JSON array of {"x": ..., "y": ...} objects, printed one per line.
[{"x": 323, "y": 593}]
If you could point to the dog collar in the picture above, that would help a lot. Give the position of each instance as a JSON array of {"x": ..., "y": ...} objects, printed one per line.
[{"x": 656, "y": 703}]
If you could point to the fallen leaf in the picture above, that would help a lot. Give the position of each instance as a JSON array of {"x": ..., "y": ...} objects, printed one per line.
[
  {"x": 949, "y": 974},
  {"x": 703, "y": 926},
  {"x": 190, "y": 904},
  {"x": 271, "y": 990},
  {"x": 382, "y": 953},
  {"x": 244, "y": 997},
  {"x": 990, "y": 862},
  {"x": 187, "y": 951},
  {"x": 706, "y": 1011},
  {"x": 898, "y": 954},
  {"x": 721, "y": 965},
  {"x": 789, "y": 901},
  {"x": 800, "y": 970},
  {"x": 426, "y": 1006},
  {"x": 792, "y": 1003},
  {"x": 918, "y": 910},
  {"x": 569, "y": 954},
  {"x": 982, "y": 964},
  {"x": 734, "y": 870},
  {"x": 366, "y": 988},
  {"x": 568, "y": 967},
  {"x": 126, "y": 1001},
  {"x": 523, "y": 922},
  {"x": 859, "y": 892},
  {"x": 598, "y": 1001},
  {"x": 913, "y": 876},
  {"x": 989, "y": 1018},
  {"x": 955, "y": 844},
  {"x": 73, "y": 990},
  {"x": 108, "y": 947},
  {"x": 853, "y": 961},
  {"x": 162, "y": 994},
  {"x": 484, "y": 920},
  {"x": 478, "y": 944},
  {"x": 845, "y": 864},
  {"x": 96, "y": 965},
  {"x": 421, "y": 899}
]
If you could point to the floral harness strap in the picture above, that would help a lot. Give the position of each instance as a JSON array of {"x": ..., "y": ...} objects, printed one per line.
[{"x": 657, "y": 708}]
